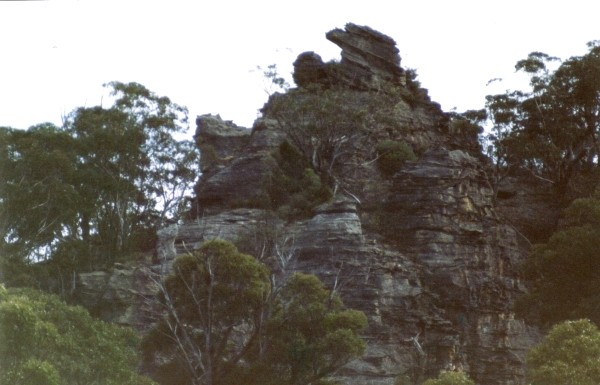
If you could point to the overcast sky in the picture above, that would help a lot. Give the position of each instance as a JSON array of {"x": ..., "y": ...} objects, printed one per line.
[{"x": 55, "y": 55}]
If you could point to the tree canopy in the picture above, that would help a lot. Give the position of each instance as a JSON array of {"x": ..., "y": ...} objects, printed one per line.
[
  {"x": 226, "y": 324},
  {"x": 46, "y": 342},
  {"x": 324, "y": 125},
  {"x": 552, "y": 129},
  {"x": 97, "y": 188},
  {"x": 569, "y": 354}
]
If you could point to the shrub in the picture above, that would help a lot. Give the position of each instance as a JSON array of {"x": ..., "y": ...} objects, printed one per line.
[
  {"x": 392, "y": 155},
  {"x": 294, "y": 188},
  {"x": 45, "y": 341},
  {"x": 569, "y": 354}
]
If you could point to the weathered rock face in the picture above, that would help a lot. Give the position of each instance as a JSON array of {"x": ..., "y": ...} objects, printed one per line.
[
  {"x": 530, "y": 206},
  {"x": 310, "y": 69},
  {"x": 438, "y": 289},
  {"x": 368, "y": 56},
  {"x": 234, "y": 162},
  {"x": 423, "y": 254},
  {"x": 218, "y": 140},
  {"x": 446, "y": 224},
  {"x": 125, "y": 295}
]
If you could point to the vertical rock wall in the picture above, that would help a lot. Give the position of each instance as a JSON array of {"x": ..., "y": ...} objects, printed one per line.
[{"x": 424, "y": 255}]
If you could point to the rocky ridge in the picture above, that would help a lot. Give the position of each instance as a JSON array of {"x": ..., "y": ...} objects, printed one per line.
[{"x": 423, "y": 254}]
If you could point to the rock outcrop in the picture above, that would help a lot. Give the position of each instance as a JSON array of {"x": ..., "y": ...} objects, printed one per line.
[
  {"x": 424, "y": 254},
  {"x": 310, "y": 69},
  {"x": 468, "y": 259},
  {"x": 368, "y": 56}
]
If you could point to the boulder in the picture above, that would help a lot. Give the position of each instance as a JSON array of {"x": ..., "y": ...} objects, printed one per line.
[{"x": 310, "y": 69}]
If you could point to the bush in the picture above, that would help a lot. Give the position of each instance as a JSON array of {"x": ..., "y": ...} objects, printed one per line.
[
  {"x": 569, "y": 354},
  {"x": 46, "y": 342},
  {"x": 295, "y": 189},
  {"x": 392, "y": 155}
]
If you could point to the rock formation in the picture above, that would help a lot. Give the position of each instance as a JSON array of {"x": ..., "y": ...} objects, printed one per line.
[
  {"x": 367, "y": 55},
  {"x": 423, "y": 254},
  {"x": 310, "y": 69}
]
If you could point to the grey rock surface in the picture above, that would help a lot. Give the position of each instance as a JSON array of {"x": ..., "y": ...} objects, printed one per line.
[
  {"x": 368, "y": 56},
  {"x": 310, "y": 69},
  {"x": 425, "y": 254}
]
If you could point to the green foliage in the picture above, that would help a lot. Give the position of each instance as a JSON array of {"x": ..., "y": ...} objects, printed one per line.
[
  {"x": 47, "y": 342},
  {"x": 391, "y": 156},
  {"x": 226, "y": 324},
  {"x": 552, "y": 130},
  {"x": 34, "y": 372},
  {"x": 325, "y": 125},
  {"x": 38, "y": 175},
  {"x": 310, "y": 334},
  {"x": 569, "y": 354},
  {"x": 468, "y": 123},
  {"x": 450, "y": 378},
  {"x": 275, "y": 82},
  {"x": 210, "y": 294},
  {"x": 564, "y": 271},
  {"x": 294, "y": 189},
  {"x": 96, "y": 189}
]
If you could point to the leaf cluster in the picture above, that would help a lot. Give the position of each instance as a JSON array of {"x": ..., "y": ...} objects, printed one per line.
[
  {"x": 324, "y": 125},
  {"x": 569, "y": 354},
  {"x": 45, "y": 341},
  {"x": 310, "y": 334},
  {"x": 552, "y": 129},
  {"x": 293, "y": 188},
  {"x": 391, "y": 156},
  {"x": 96, "y": 189}
]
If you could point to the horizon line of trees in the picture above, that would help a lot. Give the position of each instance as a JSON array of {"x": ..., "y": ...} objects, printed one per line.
[{"x": 96, "y": 189}]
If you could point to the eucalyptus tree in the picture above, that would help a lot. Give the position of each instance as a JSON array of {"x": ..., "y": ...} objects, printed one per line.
[
  {"x": 222, "y": 322},
  {"x": 98, "y": 187},
  {"x": 552, "y": 129}
]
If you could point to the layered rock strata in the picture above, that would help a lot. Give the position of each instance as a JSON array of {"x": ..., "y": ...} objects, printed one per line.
[{"x": 423, "y": 254}]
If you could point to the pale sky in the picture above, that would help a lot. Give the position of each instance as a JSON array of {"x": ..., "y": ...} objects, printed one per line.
[{"x": 55, "y": 55}]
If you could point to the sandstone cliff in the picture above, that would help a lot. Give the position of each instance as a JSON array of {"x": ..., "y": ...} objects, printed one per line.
[{"x": 423, "y": 253}]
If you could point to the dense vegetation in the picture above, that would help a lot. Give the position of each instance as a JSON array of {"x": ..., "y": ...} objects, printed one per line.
[
  {"x": 46, "y": 342},
  {"x": 95, "y": 190},
  {"x": 551, "y": 133},
  {"x": 569, "y": 354},
  {"x": 227, "y": 322},
  {"x": 552, "y": 129},
  {"x": 564, "y": 271},
  {"x": 294, "y": 188}
]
